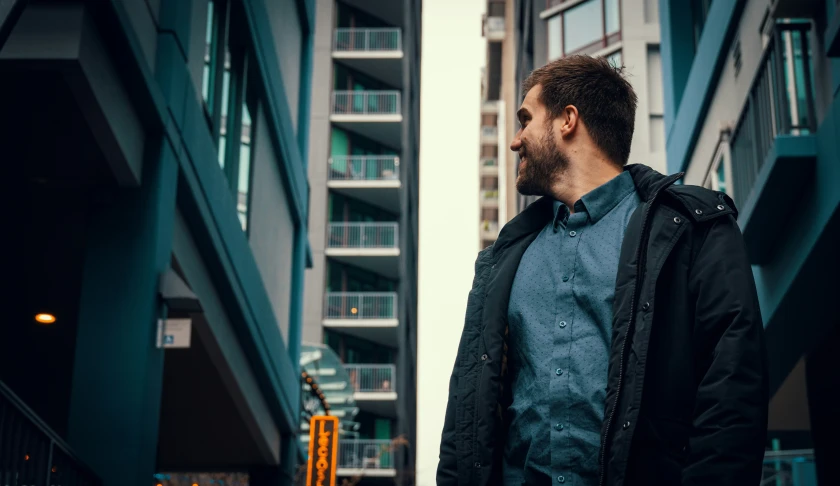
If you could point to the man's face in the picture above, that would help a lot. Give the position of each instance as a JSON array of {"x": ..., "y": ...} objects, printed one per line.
[{"x": 542, "y": 161}]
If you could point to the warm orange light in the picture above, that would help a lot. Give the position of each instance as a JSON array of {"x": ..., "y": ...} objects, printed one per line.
[
  {"x": 54, "y": 469},
  {"x": 158, "y": 484},
  {"x": 45, "y": 318},
  {"x": 26, "y": 457},
  {"x": 354, "y": 311},
  {"x": 195, "y": 484}
]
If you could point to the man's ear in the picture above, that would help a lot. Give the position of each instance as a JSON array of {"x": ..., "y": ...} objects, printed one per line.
[{"x": 569, "y": 121}]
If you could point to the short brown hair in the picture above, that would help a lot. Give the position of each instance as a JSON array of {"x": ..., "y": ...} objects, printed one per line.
[{"x": 604, "y": 98}]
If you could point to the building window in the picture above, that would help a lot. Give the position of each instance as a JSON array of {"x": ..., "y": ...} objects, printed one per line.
[
  {"x": 229, "y": 100},
  {"x": 584, "y": 28}
]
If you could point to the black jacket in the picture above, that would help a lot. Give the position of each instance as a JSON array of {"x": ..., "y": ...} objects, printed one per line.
[{"x": 687, "y": 390}]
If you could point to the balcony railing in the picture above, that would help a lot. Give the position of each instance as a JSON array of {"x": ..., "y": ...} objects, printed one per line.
[
  {"x": 490, "y": 195},
  {"x": 780, "y": 102},
  {"x": 363, "y": 235},
  {"x": 367, "y": 40},
  {"x": 31, "y": 453},
  {"x": 489, "y": 132},
  {"x": 365, "y": 168},
  {"x": 370, "y": 378},
  {"x": 489, "y": 162},
  {"x": 365, "y": 454},
  {"x": 789, "y": 468},
  {"x": 366, "y": 103},
  {"x": 490, "y": 227},
  {"x": 361, "y": 305}
]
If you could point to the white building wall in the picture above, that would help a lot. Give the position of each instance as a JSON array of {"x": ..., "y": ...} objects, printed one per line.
[{"x": 451, "y": 84}]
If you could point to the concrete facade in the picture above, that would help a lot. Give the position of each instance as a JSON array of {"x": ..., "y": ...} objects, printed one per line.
[{"x": 361, "y": 292}]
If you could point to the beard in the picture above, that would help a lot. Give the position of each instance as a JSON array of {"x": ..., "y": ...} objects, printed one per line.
[{"x": 544, "y": 165}]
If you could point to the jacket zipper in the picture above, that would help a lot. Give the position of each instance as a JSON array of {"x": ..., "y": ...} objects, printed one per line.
[{"x": 640, "y": 252}]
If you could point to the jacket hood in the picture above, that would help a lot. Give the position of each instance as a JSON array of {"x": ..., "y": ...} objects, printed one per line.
[{"x": 648, "y": 182}]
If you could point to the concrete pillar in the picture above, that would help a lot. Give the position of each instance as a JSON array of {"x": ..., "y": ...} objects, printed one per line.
[{"x": 118, "y": 371}]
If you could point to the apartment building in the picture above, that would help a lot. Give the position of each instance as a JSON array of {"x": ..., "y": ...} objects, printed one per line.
[
  {"x": 751, "y": 109},
  {"x": 361, "y": 291},
  {"x": 624, "y": 31},
  {"x": 155, "y": 237}
]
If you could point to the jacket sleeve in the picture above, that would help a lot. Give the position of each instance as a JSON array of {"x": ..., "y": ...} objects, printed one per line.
[
  {"x": 730, "y": 415},
  {"x": 447, "y": 472}
]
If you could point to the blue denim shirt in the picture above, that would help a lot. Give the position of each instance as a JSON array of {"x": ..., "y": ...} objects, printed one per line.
[{"x": 560, "y": 324}]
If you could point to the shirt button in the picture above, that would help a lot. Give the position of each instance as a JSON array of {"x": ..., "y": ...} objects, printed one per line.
[
  {"x": 561, "y": 479},
  {"x": 558, "y": 427},
  {"x": 565, "y": 278},
  {"x": 572, "y": 233},
  {"x": 562, "y": 323},
  {"x": 559, "y": 372}
]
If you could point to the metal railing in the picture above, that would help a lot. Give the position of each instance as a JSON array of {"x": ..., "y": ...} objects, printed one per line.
[
  {"x": 371, "y": 378},
  {"x": 364, "y": 168},
  {"x": 780, "y": 102},
  {"x": 31, "y": 453},
  {"x": 367, "y": 40},
  {"x": 490, "y": 227},
  {"x": 489, "y": 194},
  {"x": 365, "y": 454},
  {"x": 366, "y": 103},
  {"x": 361, "y": 305},
  {"x": 789, "y": 468},
  {"x": 489, "y": 132},
  {"x": 363, "y": 235},
  {"x": 489, "y": 162}
]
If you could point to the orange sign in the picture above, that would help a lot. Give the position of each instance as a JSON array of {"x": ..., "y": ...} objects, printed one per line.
[{"x": 323, "y": 450}]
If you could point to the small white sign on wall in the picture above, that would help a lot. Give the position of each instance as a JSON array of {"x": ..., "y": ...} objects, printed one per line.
[{"x": 174, "y": 333}]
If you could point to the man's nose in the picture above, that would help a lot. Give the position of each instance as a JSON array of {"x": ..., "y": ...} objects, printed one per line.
[{"x": 516, "y": 144}]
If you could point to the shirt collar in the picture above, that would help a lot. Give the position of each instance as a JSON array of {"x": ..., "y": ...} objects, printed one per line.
[
  {"x": 601, "y": 200},
  {"x": 598, "y": 202}
]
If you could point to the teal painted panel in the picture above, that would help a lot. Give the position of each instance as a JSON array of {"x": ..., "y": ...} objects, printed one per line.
[
  {"x": 175, "y": 19},
  {"x": 712, "y": 52},
  {"x": 213, "y": 213},
  {"x": 819, "y": 203},
  {"x": 118, "y": 371},
  {"x": 677, "y": 53}
]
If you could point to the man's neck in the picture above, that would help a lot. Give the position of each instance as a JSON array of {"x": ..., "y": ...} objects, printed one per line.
[{"x": 579, "y": 179}]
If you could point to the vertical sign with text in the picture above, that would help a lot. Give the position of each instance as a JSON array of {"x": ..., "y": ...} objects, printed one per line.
[{"x": 323, "y": 451}]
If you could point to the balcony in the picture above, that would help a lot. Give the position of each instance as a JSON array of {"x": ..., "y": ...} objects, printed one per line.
[
  {"x": 489, "y": 166},
  {"x": 368, "y": 458},
  {"x": 367, "y": 315},
  {"x": 773, "y": 145},
  {"x": 490, "y": 198},
  {"x": 375, "y": 52},
  {"x": 371, "y": 246},
  {"x": 494, "y": 28},
  {"x": 489, "y": 230},
  {"x": 31, "y": 452},
  {"x": 373, "y": 114},
  {"x": 490, "y": 107},
  {"x": 374, "y": 179},
  {"x": 375, "y": 387},
  {"x": 489, "y": 135}
]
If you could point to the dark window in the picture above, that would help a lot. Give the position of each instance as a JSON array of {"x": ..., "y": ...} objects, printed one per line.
[
  {"x": 229, "y": 99},
  {"x": 699, "y": 12}
]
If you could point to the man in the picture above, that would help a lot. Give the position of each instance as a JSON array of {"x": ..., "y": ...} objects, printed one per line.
[{"x": 613, "y": 335}]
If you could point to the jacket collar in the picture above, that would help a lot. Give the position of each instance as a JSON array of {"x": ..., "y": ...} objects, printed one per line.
[{"x": 541, "y": 212}]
